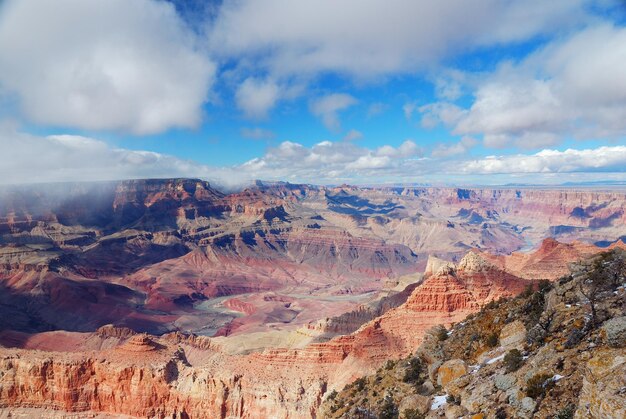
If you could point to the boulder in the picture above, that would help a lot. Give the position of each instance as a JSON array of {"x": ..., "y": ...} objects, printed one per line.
[
  {"x": 417, "y": 402},
  {"x": 614, "y": 331},
  {"x": 504, "y": 382},
  {"x": 454, "y": 411},
  {"x": 513, "y": 335},
  {"x": 451, "y": 370},
  {"x": 602, "y": 394}
]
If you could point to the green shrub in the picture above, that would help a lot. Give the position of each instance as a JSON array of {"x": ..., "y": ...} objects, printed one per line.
[
  {"x": 491, "y": 340},
  {"x": 412, "y": 414},
  {"x": 513, "y": 360},
  {"x": 566, "y": 413},
  {"x": 388, "y": 409},
  {"x": 442, "y": 334},
  {"x": 528, "y": 291},
  {"x": 545, "y": 286},
  {"x": 359, "y": 384},
  {"x": 415, "y": 372},
  {"x": 538, "y": 384}
]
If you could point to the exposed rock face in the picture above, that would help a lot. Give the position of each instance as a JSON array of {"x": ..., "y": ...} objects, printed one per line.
[
  {"x": 573, "y": 372},
  {"x": 450, "y": 371},
  {"x": 294, "y": 380},
  {"x": 615, "y": 331},
  {"x": 604, "y": 380},
  {"x": 513, "y": 335},
  {"x": 300, "y": 288}
]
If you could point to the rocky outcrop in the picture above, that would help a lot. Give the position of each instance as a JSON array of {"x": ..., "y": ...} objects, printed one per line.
[
  {"x": 572, "y": 371},
  {"x": 604, "y": 379},
  {"x": 298, "y": 287}
]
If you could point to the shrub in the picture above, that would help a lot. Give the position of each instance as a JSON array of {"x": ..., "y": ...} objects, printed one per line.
[
  {"x": 528, "y": 291},
  {"x": 359, "y": 384},
  {"x": 450, "y": 399},
  {"x": 574, "y": 338},
  {"x": 491, "y": 340},
  {"x": 513, "y": 360},
  {"x": 493, "y": 304},
  {"x": 566, "y": 413},
  {"x": 415, "y": 372},
  {"x": 389, "y": 365},
  {"x": 442, "y": 334},
  {"x": 545, "y": 286},
  {"x": 538, "y": 384},
  {"x": 388, "y": 409},
  {"x": 501, "y": 413},
  {"x": 412, "y": 414},
  {"x": 333, "y": 394},
  {"x": 534, "y": 307}
]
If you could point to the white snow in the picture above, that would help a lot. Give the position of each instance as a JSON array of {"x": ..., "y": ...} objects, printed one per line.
[
  {"x": 439, "y": 401},
  {"x": 474, "y": 369},
  {"x": 496, "y": 359},
  {"x": 557, "y": 377}
]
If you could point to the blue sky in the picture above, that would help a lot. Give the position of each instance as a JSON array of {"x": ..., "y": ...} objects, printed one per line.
[{"x": 357, "y": 91}]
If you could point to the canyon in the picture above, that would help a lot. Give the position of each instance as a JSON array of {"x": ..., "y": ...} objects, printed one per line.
[{"x": 157, "y": 298}]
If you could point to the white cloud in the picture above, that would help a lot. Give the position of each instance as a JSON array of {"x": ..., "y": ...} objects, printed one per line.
[
  {"x": 601, "y": 159},
  {"x": 353, "y": 135},
  {"x": 257, "y": 133},
  {"x": 376, "y": 108},
  {"x": 28, "y": 158},
  {"x": 257, "y": 97},
  {"x": 408, "y": 109},
  {"x": 328, "y": 107},
  {"x": 407, "y": 149},
  {"x": 440, "y": 112},
  {"x": 570, "y": 88},
  {"x": 368, "y": 38},
  {"x": 128, "y": 65},
  {"x": 461, "y": 147}
]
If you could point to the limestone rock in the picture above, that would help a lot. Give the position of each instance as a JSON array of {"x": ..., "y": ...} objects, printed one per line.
[
  {"x": 451, "y": 370},
  {"x": 513, "y": 335},
  {"x": 504, "y": 382},
  {"x": 417, "y": 402},
  {"x": 602, "y": 394},
  {"x": 454, "y": 411},
  {"x": 615, "y": 331}
]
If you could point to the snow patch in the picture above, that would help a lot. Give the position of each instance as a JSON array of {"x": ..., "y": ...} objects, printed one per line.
[
  {"x": 496, "y": 359},
  {"x": 439, "y": 401}
]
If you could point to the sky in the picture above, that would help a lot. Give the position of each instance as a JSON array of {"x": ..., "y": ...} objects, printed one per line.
[{"x": 472, "y": 92}]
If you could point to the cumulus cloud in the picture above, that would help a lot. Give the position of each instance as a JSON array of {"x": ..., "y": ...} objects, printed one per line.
[
  {"x": 28, "y": 158},
  {"x": 573, "y": 87},
  {"x": 76, "y": 158},
  {"x": 601, "y": 159},
  {"x": 368, "y": 38},
  {"x": 328, "y": 107},
  {"x": 335, "y": 162},
  {"x": 257, "y": 97},
  {"x": 257, "y": 133},
  {"x": 461, "y": 147},
  {"x": 125, "y": 65},
  {"x": 407, "y": 149},
  {"x": 353, "y": 135}
]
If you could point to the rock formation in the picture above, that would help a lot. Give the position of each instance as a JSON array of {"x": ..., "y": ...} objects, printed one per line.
[{"x": 170, "y": 298}]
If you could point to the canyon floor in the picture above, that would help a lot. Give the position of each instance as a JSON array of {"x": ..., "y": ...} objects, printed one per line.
[{"x": 170, "y": 298}]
